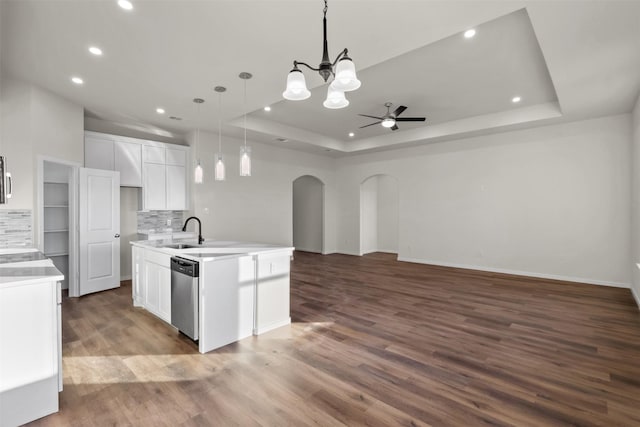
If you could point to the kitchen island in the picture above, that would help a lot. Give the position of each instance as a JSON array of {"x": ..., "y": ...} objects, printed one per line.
[
  {"x": 30, "y": 336},
  {"x": 243, "y": 287}
]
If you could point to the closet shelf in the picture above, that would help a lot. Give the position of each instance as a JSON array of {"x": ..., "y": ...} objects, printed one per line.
[
  {"x": 61, "y": 230},
  {"x": 56, "y": 206}
]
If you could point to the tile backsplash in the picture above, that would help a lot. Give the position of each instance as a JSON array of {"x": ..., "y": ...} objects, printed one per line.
[
  {"x": 157, "y": 220},
  {"x": 15, "y": 228}
]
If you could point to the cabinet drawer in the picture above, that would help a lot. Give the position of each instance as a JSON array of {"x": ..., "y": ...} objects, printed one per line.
[{"x": 158, "y": 258}]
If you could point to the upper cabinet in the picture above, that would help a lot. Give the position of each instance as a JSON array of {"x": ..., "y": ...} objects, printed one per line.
[
  {"x": 116, "y": 153},
  {"x": 159, "y": 168},
  {"x": 165, "y": 176}
]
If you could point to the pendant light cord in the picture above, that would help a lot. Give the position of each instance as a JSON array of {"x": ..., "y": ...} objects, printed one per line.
[
  {"x": 219, "y": 123},
  {"x": 245, "y": 114}
]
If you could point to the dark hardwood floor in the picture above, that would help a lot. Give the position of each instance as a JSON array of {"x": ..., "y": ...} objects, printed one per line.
[{"x": 373, "y": 342}]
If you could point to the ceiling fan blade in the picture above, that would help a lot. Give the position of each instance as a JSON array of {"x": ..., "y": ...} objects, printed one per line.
[
  {"x": 366, "y": 126},
  {"x": 398, "y": 111},
  {"x": 411, "y": 119},
  {"x": 394, "y": 127},
  {"x": 371, "y": 117}
]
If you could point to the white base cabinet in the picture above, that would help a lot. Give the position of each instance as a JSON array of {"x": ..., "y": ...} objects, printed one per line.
[
  {"x": 272, "y": 292},
  {"x": 151, "y": 284},
  {"x": 30, "y": 356}
]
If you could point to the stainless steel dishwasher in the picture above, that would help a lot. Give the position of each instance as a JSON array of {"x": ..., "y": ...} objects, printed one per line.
[{"x": 184, "y": 296}]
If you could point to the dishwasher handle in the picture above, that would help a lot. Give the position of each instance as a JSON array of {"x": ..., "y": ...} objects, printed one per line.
[{"x": 185, "y": 266}]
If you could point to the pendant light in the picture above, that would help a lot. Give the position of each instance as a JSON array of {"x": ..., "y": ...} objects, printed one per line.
[
  {"x": 198, "y": 173},
  {"x": 342, "y": 70},
  {"x": 245, "y": 151},
  {"x": 219, "y": 169}
]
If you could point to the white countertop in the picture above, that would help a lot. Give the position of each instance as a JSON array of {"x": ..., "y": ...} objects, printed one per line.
[
  {"x": 23, "y": 266},
  {"x": 211, "y": 249}
]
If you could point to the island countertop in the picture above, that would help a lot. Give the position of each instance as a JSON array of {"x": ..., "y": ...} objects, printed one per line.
[
  {"x": 22, "y": 266},
  {"x": 210, "y": 250}
]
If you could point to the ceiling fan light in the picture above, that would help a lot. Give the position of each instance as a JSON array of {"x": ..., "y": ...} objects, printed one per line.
[
  {"x": 388, "y": 122},
  {"x": 335, "y": 99},
  {"x": 296, "y": 87},
  {"x": 346, "y": 79}
]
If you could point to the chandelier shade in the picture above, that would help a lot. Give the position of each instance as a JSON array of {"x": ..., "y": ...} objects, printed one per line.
[
  {"x": 341, "y": 69},
  {"x": 335, "y": 99},
  {"x": 296, "y": 86}
]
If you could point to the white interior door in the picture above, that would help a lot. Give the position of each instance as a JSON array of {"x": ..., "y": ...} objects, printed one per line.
[{"x": 99, "y": 230}]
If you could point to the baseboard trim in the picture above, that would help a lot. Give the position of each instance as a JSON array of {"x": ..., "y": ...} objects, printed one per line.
[
  {"x": 347, "y": 253},
  {"x": 519, "y": 273},
  {"x": 635, "y": 297},
  {"x": 123, "y": 278}
]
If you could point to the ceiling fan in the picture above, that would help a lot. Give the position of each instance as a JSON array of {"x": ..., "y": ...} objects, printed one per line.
[{"x": 389, "y": 120}]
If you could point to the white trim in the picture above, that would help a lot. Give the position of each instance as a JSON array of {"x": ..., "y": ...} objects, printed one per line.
[
  {"x": 272, "y": 326},
  {"x": 635, "y": 297},
  {"x": 347, "y": 253},
  {"x": 518, "y": 273},
  {"x": 123, "y": 278}
]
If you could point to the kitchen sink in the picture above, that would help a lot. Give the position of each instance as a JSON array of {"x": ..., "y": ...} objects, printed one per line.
[{"x": 180, "y": 246}]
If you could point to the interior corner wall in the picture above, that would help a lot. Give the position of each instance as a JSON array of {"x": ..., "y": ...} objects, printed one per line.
[
  {"x": 387, "y": 214},
  {"x": 551, "y": 201},
  {"x": 369, "y": 215},
  {"x": 635, "y": 202},
  {"x": 257, "y": 208},
  {"x": 307, "y": 214}
]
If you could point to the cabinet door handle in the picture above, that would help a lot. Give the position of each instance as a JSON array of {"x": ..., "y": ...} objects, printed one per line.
[
  {"x": 116, "y": 236},
  {"x": 9, "y": 186}
]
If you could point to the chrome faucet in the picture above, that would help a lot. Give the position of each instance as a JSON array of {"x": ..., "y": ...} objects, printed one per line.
[{"x": 184, "y": 228}]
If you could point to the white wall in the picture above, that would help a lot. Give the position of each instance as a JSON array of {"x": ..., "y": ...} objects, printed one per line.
[
  {"x": 307, "y": 214},
  {"x": 129, "y": 202},
  {"x": 635, "y": 202},
  {"x": 369, "y": 216},
  {"x": 550, "y": 201},
  {"x": 36, "y": 122},
  {"x": 258, "y": 208},
  {"x": 388, "y": 203}
]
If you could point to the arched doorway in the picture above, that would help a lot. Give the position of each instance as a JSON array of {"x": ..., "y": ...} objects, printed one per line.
[
  {"x": 379, "y": 206},
  {"x": 308, "y": 214}
]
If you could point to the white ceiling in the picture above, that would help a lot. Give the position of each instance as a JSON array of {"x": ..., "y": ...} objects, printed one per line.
[{"x": 567, "y": 60}]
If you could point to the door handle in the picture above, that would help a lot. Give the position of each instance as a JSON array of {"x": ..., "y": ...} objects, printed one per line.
[{"x": 116, "y": 236}]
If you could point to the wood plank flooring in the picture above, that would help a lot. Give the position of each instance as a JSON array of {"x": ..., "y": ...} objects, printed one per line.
[{"x": 373, "y": 342}]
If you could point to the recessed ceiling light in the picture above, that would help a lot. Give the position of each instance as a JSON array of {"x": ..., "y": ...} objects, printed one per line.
[
  {"x": 469, "y": 33},
  {"x": 175, "y": 118},
  {"x": 160, "y": 110},
  {"x": 351, "y": 134},
  {"x": 267, "y": 108},
  {"x": 95, "y": 50},
  {"x": 77, "y": 80},
  {"x": 125, "y": 4},
  {"x": 515, "y": 99}
]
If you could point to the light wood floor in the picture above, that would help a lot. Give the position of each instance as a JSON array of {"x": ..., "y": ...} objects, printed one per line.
[{"x": 373, "y": 342}]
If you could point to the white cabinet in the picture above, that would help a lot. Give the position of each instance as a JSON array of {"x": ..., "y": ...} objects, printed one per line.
[
  {"x": 29, "y": 351},
  {"x": 176, "y": 188},
  {"x": 127, "y": 160},
  {"x": 116, "y": 153},
  {"x": 154, "y": 189},
  {"x": 165, "y": 177},
  {"x": 155, "y": 276},
  {"x": 272, "y": 294},
  {"x": 137, "y": 266}
]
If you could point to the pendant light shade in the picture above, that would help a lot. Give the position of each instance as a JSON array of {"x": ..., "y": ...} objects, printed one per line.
[
  {"x": 245, "y": 151},
  {"x": 245, "y": 161},
  {"x": 335, "y": 99},
  {"x": 296, "y": 86},
  {"x": 346, "y": 79},
  {"x": 220, "y": 172},
  {"x": 198, "y": 174}
]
